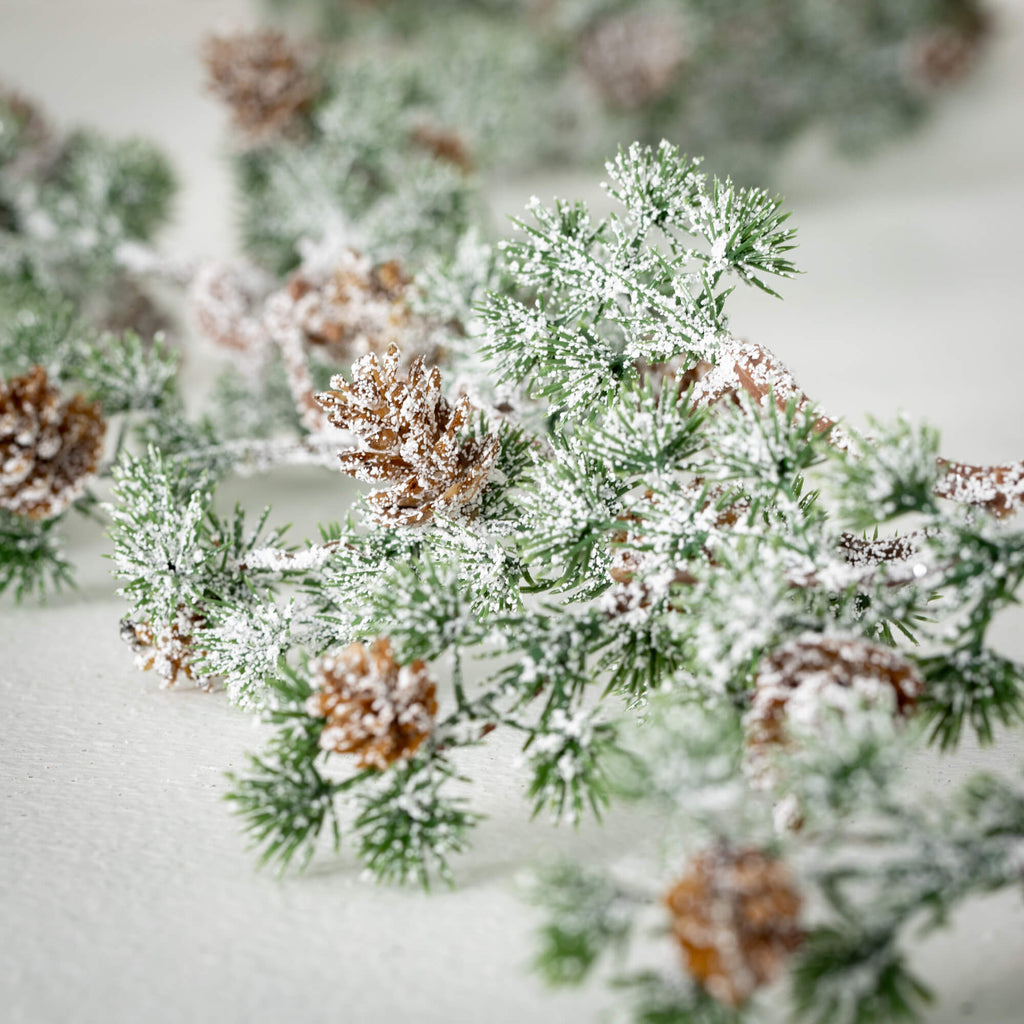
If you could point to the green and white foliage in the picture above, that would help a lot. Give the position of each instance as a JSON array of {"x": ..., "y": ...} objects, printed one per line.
[
  {"x": 73, "y": 209},
  {"x": 633, "y": 543},
  {"x": 32, "y": 558},
  {"x": 133, "y": 380},
  {"x": 357, "y": 176},
  {"x": 646, "y": 287},
  {"x": 180, "y": 560},
  {"x": 71, "y": 204},
  {"x": 738, "y": 80},
  {"x": 876, "y": 869}
]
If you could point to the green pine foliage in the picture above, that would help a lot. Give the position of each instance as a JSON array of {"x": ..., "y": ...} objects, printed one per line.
[
  {"x": 632, "y": 541},
  {"x": 739, "y": 80}
]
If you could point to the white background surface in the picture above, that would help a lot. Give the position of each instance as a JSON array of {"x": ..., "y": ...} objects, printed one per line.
[{"x": 126, "y": 892}]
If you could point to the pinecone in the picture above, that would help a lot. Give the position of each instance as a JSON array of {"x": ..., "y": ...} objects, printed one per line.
[
  {"x": 410, "y": 439},
  {"x": 861, "y": 552},
  {"x": 374, "y": 707},
  {"x": 129, "y": 308},
  {"x": 26, "y": 139},
  {"x": 629, "y": 559},
  {"x": 49, "y": 446},
  {"x": 226, "y": 300},
  {"x": 355, "y": 309},
  {"x": 805, "y": 679},
  {"x": 167, "y": 649},
  {"x": 633, "y": 59},
  {"x": 446, "y": 147},
  {"x": 735, "y": 915},
  {"x": 266, "y": 80},
  {"x": 752, "y": 368},
  {"x": 943, "y": 55}
]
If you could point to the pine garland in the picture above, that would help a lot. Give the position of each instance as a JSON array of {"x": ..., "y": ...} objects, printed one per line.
[{"x": 676, "y": 578}]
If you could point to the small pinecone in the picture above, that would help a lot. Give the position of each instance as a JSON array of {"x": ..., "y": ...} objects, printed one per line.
[
  {"x": 355, "y": 309},
  {"x": 410, "y": 436},
  {"x": 375, "y": 708},
  {"x": 49, "y": 446},
  {"x": 752, "y": 368},
  {"x": 804, "y": 679},
  {"x": 447, "y": 147},
  {"x": 946, "y": 54},
  {"x": 129, "y": 308},
  {"x": 628, "y": 560},
  {"x": 266, "y": 80},
  {"x": 735, "y": 914},
  {"x": 633, "y": 59},
  {"x": 168, "y": 649},
  {"x": 225, "y": 299},
  {"x": 25, "y": 134}
]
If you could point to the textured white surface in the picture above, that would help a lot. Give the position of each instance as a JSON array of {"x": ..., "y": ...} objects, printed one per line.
[{"x": 126, "y": 894}]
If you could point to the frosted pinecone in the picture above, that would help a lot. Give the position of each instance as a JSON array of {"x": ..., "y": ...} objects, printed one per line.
[
  {"x": 166, "y": 649},
  {"x": 446, "y": 147},
  {"x": 374, "y": 707},
  {"x": 26, "y": 140},
  {"x": 806, "y": 681},
  {"x": 411, "y": 439},
  {"x": 267, "y": 81},
  {"x": 633, "y": 59},
  {"x": 735, "y": 913},
  {"x": 355, "y": 308},
  {"x": 227, "y": 302},
  {"x": 49, "y": 446}
]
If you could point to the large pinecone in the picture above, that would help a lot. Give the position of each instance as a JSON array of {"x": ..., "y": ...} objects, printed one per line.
[
  {"x": 266, "y": 81},
  {"x": 374, "y": 707},
  {"x": 804, "y": 680},
  {"x": 735, "y": 915},
  {"x": 410, "y": 437},
  {"x": 49, "y": 445}
]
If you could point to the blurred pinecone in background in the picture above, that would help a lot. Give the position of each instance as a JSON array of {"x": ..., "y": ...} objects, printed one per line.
[
  {"x": 735, "y": 915},
  {"x": 267, "y": 81}
]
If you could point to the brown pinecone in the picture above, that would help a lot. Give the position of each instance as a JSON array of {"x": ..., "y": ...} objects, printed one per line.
[
  {"x": 356, "y": 309},
  {"x": 49, "y": 445},
  {"x": 167, "y": 649},
  {"x": 447, "y": 147},
  {"x": 754, "y": 369},
  {"x": 945, "y": 54},
  {"x": 805, "y": 678},
  {"x": 374, "y": 707},
  {"x": 266, "y": 80},
  {"x": 735, "y": 914},
  {"x": 633, "y": 59},
  {"x": 33, "y": 137},
  {"x": 410, "y": 437},
  {"x": 226, "y": 301},
  {"x": 628, "y": 559}
]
